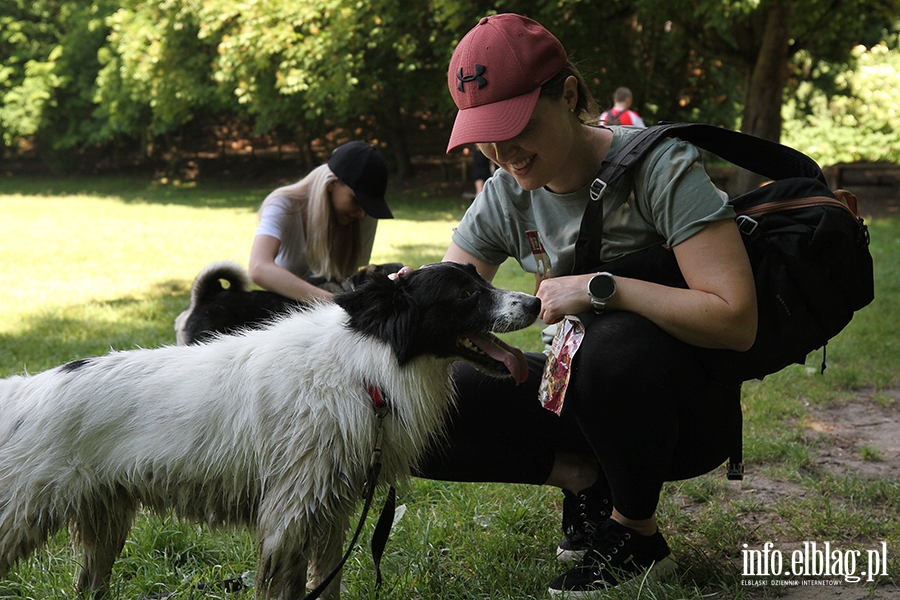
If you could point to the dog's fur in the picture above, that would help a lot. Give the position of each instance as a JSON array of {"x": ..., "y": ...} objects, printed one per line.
[
  {"x": 216, "y": 308},
  {"x": 272, "y": 428}
]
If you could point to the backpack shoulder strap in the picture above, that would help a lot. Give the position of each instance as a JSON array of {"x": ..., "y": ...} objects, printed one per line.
[
  {"x": 611, "y": 171},
  {"x": 765, "y": 157}
]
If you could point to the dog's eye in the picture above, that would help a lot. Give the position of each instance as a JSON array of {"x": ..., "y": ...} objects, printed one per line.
[{"x": 465, "y": 294}]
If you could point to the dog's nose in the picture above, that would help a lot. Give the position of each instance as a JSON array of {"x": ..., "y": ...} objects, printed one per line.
[{"x": 532, "y": 304}]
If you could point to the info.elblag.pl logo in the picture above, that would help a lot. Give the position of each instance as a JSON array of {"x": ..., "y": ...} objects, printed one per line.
[{"x": 813, "y": 563}]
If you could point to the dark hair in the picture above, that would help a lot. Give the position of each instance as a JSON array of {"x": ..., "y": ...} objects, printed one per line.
[
  {"x": 622, "y": 94},
  {"x": 586, "y": 107}
]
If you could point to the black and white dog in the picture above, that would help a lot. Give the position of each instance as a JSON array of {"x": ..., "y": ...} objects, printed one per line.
[
  {"x": 219, "y": 309},
  {"x": 272, "y": 428}
]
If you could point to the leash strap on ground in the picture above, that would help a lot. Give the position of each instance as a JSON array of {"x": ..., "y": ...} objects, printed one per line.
[
  {"x": 370, "y": 492},
  {"x": 379, "y": 538},
  {"x": 383, "y": 531}
]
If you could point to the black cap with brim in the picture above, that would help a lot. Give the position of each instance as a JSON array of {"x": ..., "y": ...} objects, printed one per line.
[{"x": 364, "y": 170}]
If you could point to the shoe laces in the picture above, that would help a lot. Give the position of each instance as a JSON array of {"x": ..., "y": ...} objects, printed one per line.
[
  {"x": 607, "y": 546},
  {"x": 577, "y": 508}
]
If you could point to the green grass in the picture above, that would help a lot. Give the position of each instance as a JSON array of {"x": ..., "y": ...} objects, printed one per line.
[{"x": 94, "y": 264}]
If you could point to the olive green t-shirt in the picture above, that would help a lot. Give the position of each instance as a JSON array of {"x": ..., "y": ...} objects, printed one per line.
[{"x": 667, "y": 196}]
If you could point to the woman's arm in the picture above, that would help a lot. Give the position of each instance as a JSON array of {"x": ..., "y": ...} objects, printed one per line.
[
  {"x": 458, "y": 255},
  {"x": 269, "y": 276},
  {"x": 717, "y": 311}
]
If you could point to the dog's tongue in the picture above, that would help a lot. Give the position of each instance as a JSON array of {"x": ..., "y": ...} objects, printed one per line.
[{"x": 512, "y": 357}]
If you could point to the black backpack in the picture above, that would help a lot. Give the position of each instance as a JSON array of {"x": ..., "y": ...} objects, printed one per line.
[
  {"x": 612, "y": 117},
  {"x": 808, "y": 246}
]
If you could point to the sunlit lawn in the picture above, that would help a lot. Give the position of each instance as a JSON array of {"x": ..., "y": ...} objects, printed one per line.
[{"x": 94, "y": 264}]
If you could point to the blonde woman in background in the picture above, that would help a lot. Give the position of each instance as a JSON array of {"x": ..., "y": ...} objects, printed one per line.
[{"x": 323, "y": 226}]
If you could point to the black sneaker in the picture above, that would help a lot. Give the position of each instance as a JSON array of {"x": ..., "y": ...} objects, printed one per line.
[
  {"x": 617, "y": 555},
  {"x": 581, "y": 514}
]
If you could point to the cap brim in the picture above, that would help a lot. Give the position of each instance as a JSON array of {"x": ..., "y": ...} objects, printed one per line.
[
  {"x": 374, "y": 207},
  {"x": 494, "y": 122}
]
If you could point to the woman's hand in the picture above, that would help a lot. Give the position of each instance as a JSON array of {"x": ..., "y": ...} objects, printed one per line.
[
  {"x": 561, "y": 296},
  {"x": 269, "y": 276},
  {"x": 403, "y": 271}
]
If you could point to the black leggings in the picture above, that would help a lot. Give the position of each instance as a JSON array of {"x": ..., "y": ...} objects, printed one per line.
[{"x": 642, "y": 402}]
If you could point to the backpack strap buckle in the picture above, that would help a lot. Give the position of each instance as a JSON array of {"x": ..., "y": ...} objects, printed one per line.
[
  {"x": 746, "y": 224},
  {"x": 598, "y": 186}
]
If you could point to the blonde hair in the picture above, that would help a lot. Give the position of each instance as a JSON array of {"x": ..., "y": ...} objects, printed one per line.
[{"x": 332, "y": 250}]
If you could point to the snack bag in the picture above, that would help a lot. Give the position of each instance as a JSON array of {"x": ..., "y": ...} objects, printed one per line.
[{"x": 569, "y": 334}]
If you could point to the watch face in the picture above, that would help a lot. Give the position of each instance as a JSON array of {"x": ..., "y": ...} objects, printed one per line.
[{"x": 602, "y": 286}]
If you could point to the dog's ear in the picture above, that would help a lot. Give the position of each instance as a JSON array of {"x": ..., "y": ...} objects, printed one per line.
[{"x": 383, "y": 308}]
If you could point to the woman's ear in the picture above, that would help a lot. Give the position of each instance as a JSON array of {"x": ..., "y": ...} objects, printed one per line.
[{"x": 570, "y": 92}]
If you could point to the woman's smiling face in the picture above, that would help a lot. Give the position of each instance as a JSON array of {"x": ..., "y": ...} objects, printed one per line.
[{"x": 540, "y": 155}]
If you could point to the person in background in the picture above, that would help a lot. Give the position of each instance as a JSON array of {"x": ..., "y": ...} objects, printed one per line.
[
  {"x": 621, "y": 113},
  {"x": 323, "y": 226},
  {"x": 483, "y": 168},
  {"x": 636, "y": 399}
]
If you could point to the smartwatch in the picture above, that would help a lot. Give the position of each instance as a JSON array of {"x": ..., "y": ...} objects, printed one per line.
[{"x": 601, "y": 288}]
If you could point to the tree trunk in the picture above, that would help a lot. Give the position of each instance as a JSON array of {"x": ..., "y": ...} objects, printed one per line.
[
  {"x": 766, "y": 81},
  {"x": 307, "y": 158},
  {"x": 393, "y": 124}
]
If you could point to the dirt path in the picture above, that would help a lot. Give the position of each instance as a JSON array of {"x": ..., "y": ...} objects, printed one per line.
[
  {"x": 863, "y": 437},
  {"x": 867, "y": 427}
]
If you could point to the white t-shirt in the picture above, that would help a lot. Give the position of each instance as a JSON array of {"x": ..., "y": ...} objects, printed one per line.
[{"x": 280, "y": 220}]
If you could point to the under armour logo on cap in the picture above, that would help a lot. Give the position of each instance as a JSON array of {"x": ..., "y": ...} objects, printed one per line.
[{"x": 477, "y": 78}]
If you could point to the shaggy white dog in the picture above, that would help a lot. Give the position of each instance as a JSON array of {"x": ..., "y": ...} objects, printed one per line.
[{"x": 273, "y": 429}]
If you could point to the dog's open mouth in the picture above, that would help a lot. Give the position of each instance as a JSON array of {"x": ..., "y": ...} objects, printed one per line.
[{"x": 487, "y": 350}]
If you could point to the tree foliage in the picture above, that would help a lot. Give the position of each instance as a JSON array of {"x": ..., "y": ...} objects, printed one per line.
[
  {"x": 310, "y": 68},
  {"x": 763, "y": 40},
  {"x": 156, "y": 75},
  {"x": 858, "y": 122},
  {"x": 169, "y": 76},
  {"x": 49, "y": 63}
]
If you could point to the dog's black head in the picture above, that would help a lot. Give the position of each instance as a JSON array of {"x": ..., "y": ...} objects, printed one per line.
[{"x": 445, "y": 310}]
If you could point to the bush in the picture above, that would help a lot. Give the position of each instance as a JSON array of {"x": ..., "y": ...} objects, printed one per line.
[{"x": 860, "y": 124}]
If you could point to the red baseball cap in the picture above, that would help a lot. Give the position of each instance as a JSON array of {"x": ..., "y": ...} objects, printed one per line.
[{"x": 495, "y": 77}]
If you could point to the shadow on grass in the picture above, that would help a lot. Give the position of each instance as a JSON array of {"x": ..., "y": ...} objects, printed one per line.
[{"x": 45, "y": 340}]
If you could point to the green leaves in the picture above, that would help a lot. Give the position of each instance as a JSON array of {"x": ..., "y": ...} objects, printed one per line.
[
  {"x": 174, "y": 74},
  {"x": 861, "y": 123}
]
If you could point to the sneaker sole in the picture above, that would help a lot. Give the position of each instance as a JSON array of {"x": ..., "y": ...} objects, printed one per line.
[{"x": 658, "y": 571}]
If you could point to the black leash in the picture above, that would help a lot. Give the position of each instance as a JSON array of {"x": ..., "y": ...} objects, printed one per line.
[
  {"x": 385, "y": 521},
  {"x": 317, "y": 591},
  {"x": 387, "y": 516}
]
